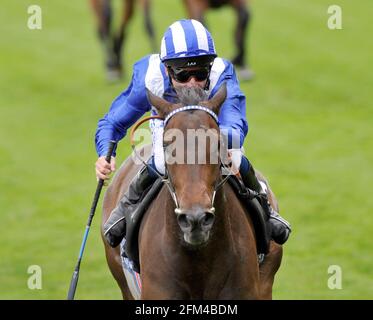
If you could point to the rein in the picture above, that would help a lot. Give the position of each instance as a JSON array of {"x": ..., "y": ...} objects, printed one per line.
[{"x": 166, "y": 178}]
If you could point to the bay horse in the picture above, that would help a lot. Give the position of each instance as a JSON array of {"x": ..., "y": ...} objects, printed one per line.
[
  {"x": 197, "y": 9},
  {"x": 201, "y": 246},
  {"x": 112, "y": 41}
]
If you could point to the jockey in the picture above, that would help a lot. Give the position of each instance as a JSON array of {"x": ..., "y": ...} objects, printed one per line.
[{"x": 187, "y": 58}]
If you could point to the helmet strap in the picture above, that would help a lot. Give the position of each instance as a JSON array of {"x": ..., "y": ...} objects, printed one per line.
[{"x": 207, "y": 85}]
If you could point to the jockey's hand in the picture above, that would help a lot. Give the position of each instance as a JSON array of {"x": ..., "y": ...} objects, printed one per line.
[
  {"x": 234, "y": 156},
  {"x": 104, "y": 168}
]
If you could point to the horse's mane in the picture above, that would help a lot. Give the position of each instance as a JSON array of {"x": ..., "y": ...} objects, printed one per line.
[{"x": 191, "y": 95}]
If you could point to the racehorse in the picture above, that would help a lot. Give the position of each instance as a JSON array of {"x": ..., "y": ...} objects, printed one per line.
[
  {"x": 193, "y": 243},
  {"x": 196, "y": 10},
  {"x": 113, "y": 41}
]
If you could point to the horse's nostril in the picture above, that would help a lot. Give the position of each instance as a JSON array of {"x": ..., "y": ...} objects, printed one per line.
[
  {"x": 183, "y": 221},
  {"x": 189, "y": 222},
  {"x": 207, "y": 220}
]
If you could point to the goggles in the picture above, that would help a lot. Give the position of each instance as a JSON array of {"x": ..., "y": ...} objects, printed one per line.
[{"x": 183, "y": 75}]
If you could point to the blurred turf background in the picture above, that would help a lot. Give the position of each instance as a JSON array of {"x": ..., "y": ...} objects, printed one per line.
[{"x": 309, "y": 110}]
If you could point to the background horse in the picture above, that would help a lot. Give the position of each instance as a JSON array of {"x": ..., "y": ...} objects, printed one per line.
[
  {"x": 194, "y": 252},
  {"x": 113, "y": 41},
  {"x": 197, "y": 9}
]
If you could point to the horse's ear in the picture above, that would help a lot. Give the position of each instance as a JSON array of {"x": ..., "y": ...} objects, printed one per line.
[
  {"x": 163, "y": 107},
  {"x": 217, "y": 100}
]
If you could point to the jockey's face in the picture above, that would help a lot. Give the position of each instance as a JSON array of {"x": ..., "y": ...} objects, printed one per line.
[{"x": 189, "y": 77}]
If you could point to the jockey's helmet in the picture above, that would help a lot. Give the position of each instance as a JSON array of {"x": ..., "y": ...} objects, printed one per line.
[{"x": 187, "y": 43}]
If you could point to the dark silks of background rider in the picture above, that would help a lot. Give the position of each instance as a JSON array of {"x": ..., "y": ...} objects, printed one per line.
[{"x": 309, "y": 111}]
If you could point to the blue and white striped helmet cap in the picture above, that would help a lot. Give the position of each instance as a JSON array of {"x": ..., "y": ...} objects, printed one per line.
[{"x": 186, "y": 39}]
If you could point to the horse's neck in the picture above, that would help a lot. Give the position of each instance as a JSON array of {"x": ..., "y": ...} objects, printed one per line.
[{"x": 223, "y": 216}]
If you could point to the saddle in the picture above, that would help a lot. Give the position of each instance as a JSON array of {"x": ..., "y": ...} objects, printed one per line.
[{"x": 252, "y": 205}]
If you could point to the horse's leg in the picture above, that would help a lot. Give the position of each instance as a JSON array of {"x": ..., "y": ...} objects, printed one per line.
[
  {"x": 243, "y": 18},
  {"x": 118, "y": 186},
  {"x": 268, "y": 269},
  {"x": 115, "y": 266},
  {"x": 243, "y": 15},
  {"x": 196, "y": 9},
  {"x": 127, "y": 13},
  {"x": 101, "y": 9},
  {"x": 113, "y": 256},
  {"x": 103, "y": 13},
  {"x": 149, "y": 27}
]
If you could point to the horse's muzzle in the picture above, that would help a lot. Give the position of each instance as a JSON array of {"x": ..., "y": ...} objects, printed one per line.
[{"x": 196, "y": 226}]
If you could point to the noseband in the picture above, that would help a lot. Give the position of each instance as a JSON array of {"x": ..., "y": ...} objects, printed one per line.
[{"x": 167, "y": 178}]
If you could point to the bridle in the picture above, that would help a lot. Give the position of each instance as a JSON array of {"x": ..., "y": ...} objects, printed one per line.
[{"x": 166, "y": 179}]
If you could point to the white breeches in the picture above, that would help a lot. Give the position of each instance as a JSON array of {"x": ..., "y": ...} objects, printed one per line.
[{"x": 157, "y": 145}]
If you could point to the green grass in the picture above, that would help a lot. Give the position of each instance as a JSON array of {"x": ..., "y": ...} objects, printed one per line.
[{"x": 309, "y": 111}]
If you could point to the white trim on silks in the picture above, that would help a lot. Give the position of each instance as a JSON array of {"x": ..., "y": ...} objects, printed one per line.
[
  {"x": 217, "y": 69},
  {"x": 154, "y": 78}
]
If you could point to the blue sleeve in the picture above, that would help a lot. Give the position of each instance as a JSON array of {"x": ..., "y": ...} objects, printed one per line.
[
  {"x": 125, "y": 110},
  {"x": 232, "y": 115}
]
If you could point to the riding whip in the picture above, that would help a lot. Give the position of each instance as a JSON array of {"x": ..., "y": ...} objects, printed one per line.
[{"x": 75, "y": 277}]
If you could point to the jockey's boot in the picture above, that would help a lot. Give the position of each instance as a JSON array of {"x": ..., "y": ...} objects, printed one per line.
[
  {"x": 115, "y": 226},
  {"x": 280, "y": 227}
]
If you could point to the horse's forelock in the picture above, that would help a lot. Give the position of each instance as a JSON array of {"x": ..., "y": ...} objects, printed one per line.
[{"x": 191, "y": 95}]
